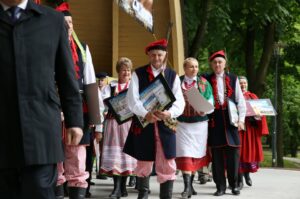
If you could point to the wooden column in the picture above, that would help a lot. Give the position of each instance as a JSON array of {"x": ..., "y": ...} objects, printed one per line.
[
  {"x": 115, "y": 37},
  {"x": 177, "y": 36}
]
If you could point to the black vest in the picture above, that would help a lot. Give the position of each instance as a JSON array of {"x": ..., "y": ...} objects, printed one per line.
[
  {"x": 141, "y": 145},
  {"x": 81, "y": 66},
  {"x": 194, "y": 116},
  {"x": 221, "y": 132},
  {"x": 86, "y": 138}
]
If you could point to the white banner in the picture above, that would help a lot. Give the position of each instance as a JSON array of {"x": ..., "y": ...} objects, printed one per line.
[{"x": 141, "y": 10}]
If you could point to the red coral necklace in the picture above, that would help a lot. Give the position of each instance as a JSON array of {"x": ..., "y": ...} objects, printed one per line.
[{"x": 227, "y": 91}]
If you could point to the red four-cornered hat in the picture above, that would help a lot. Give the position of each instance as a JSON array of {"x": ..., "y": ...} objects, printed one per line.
[
  {"x": 220, "y": 53},
  {"x": 157, "y": 45},
  {"x": 64, "y": 8}
]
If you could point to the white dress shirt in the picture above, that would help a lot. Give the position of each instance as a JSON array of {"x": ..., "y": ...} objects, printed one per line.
[
  {"x": 89, "y": 76},
  {"x": 189, "y": 80},
  {"x": 99, "y": 127},
  {"x": 239, "y": 97},
  {"x": 136, "y": 106}
]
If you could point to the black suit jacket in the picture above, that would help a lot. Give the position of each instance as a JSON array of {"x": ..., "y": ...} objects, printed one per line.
[{"x": 35, "y": 62}]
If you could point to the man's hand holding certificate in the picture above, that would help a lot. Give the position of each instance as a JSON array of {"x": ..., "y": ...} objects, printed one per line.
[{"x": 151, "y": 117}]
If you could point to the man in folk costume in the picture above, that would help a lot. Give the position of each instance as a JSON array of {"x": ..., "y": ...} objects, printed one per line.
[
  {"x": 192, "y": 128},
  {"x": 157, "y": 141},
  {"x": 223, "y": 137},
  {"x": 73, "y": 169}
]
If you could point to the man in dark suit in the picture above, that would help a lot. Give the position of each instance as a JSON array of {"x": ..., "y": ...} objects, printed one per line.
[{"x": 35, "y": 57}]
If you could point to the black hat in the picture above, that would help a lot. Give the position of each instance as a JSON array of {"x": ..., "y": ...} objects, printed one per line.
[{"x": 101, "y": 75}]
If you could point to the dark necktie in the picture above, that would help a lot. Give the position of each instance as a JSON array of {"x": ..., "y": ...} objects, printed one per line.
[{"x": 14, "y": 11}]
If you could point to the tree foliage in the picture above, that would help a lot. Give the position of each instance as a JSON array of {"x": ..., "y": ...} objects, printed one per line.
[{"x": 254, "y": 34}]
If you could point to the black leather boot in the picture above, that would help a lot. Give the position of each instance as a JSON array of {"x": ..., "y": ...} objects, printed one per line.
[
  {"x": 116, "y": 193},
  {"x": 248, "y": 179},
  {"x": 66, "y": 191},
  {"x": 59, "y": 192},
  {"x": 235, "y": 191},
  {"x": 124, "y": 192},
  {"x": 193, "y": 190},
  {"x": 132, "y": 181},
  {"x": 240, "y": 181},
  {"x": 219, "y": 192},
  {"x": 187, "y": 192},
  {"x": 201, "y": 177},
  {"x": 143, "y": 187},
  {"x": 76, "y": 193},
  {"x": 166, "y": 190}
]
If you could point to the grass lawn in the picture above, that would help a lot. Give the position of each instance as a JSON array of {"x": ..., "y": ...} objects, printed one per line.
[{"x": 268, "y": 161}]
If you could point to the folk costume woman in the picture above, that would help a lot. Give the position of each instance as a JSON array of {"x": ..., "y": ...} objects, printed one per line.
[
  {"x": 114, "y": 162},
  {"x": 251, "y": 150},
  {"x": 192, "y": 128}
]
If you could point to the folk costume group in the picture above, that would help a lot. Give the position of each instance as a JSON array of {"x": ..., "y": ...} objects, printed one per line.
[{"x": 178, "y": 138}]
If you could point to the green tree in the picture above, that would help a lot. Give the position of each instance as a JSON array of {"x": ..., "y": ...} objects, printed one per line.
[{"x": 248, "y": 30}]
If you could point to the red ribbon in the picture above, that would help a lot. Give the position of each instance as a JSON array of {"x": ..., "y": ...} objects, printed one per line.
[
  {"x": 150, "y": 73},
  {"x": 188, "y": 86},
  {"x": 75, "y": 57}
]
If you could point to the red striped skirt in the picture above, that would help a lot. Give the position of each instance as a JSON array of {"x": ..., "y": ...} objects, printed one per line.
[{"x": 191, "y": 164}]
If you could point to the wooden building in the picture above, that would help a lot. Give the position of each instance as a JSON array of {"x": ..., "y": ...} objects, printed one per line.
[{"x": 111, "y": 33}]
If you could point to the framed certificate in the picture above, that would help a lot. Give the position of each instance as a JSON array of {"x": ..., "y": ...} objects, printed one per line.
[
  {"x": 233, "y": 113},
  {"x": 261, "y": 107},
  {"x": 119, "y": 107},
  {"x": 156, "y": 96}
]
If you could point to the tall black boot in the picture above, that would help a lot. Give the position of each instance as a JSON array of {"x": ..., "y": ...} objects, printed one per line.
[
  {"x": 59, "y": 192},
  {"x": 116, "y": 193},
  {"x": 187, "y": 192},
  {"x": 201, "y": 177},
  {"x": 136, "y": 183},
  {"x": 76, "y": 193},
  {"x": 193, "y": 190},
  {"x": 240, "y": 181},
  {"x": 124, "y": 192},
  {"x": 248, "y": 179},
  {"x": 88, "y": 193},
  {"x": 143, "y": 187},
  {"x": 66, "y": 191},
  {"x": 166, "y": 190},
  {"x": 132, "y": 181}
]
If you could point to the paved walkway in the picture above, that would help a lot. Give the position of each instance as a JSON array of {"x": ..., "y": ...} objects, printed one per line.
[
  {"x": 296, "y": 160},
  {"x": 267, "y": 184}
]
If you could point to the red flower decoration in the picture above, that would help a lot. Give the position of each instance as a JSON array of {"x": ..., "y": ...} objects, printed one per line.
[
  {"x": 215, "y": 91},
  {"x": 150, "y": 73},
  {"x": 228, "y": 87}
]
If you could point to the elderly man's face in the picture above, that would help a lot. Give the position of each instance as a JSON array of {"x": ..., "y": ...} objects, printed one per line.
[
  {"x": 12, "y": 2},
  {"x": 218, "y": 65},
  {"x": 157, "y": 58}
]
